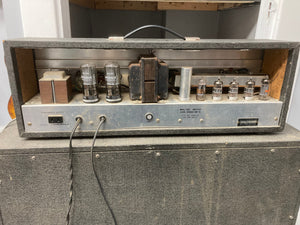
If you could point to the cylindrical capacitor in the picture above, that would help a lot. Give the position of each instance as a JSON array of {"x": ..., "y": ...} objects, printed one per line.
[
  {"x": 233, "y": 90},
  {"x": 185, "y": 83},
  {"x": 112, "y": 77},
  {"x": 249, "y": 89},
  {"x": 217, "y": 90},
  {"x": 201, "y": 91},
  {"x": 89, "y": 79},
  {"x": 264, "y": 89}
]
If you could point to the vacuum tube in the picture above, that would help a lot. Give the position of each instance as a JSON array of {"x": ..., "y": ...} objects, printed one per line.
[
  {"x": 264, "y": 89},
  {"x": 89, "y": 79},
  {"x": 233, "y": 90},
  {"x": 201, "y": 90},
  {"x": 217, "y": 90},
  {"x": 112, "y": 78},
  {"x": 249, "y": 89}
]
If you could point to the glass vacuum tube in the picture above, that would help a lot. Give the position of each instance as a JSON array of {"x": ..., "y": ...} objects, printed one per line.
[
  {"x": 249, "y": 89},
  {"x": 233, "y": 90},
  {"x": 217, "y": 90},
  {"x": 112, "y": 77},
  {"x": 201, "y": 90},
  {"x": 89, "y": 79},
  {"x": 264, "y": 89}
]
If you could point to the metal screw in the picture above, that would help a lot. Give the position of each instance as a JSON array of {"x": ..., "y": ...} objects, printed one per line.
[
  {"x": 157, "y": 120},
  {"x": 201, "y": 120},
  {"x": 272, "y": 150},
  {"x": 0, "y": 182},
  {"x": 97, "y": 156},
  {"x": 299, "y": 170},
  {"x": 33, "y": 157},
  {"x": 275, "y": 118},
  {"x": 179, "y": 120},
  {"x": 91, "y": 122},
  {"x": 29, "y": 123},
  {"x": 291, "y": 217},
  {"x": 157, "y": 154},
  {"x": 217, "y": 152}
]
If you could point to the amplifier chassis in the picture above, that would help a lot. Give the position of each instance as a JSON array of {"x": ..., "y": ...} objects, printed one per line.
[{"x": 28, "y": 59}]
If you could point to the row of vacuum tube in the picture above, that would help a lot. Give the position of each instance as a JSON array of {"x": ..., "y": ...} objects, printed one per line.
[
  {"x": 217, "y": 91},
  {"x": 112, "y": 78}
]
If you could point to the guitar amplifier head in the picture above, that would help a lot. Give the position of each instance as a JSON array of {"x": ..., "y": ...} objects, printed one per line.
[{"x": 150, "y": 86}]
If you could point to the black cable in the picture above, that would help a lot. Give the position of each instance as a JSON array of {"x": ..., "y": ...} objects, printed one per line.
[
  {"x": 102, "y": 120},
  {"x": 154, "y": 26},
  {"x": 78, "y": 121}
]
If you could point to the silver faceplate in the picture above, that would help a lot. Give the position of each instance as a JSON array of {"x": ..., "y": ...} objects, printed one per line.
[
  {"x": 167, "y": 113},
  {"x": 57, "y": 58}
]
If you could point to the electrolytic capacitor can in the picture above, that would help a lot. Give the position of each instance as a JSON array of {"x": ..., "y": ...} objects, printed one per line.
[{"x": 185, "y": 83}]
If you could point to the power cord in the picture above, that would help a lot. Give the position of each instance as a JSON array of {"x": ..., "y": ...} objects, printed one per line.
[
  {"x": 102, "y": 120},
  {"x": 155, "y": 26},
  {"x": 78, "y": 121}
]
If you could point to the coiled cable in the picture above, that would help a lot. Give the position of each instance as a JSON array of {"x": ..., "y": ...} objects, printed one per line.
[{"x": 68, "y": 218}]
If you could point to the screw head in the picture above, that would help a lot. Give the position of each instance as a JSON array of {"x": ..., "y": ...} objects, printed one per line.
[
  {"x": 179, "y": 120},
  {"x": 201, "y": 120},
  {"x": 272, "y": 150},
  {"x": 275, "y": 118},
  {"x": 217, "y": 152},
  {"x": 91, "y": 122},
  {"x": 97, "y": 156},
  {"x": 157, "y": 154},
  {"x": 29, "y": 123},
  {"x": 299, "y": 170},
  {"x": 33, "y": 157},
  {"x": 157, "y": 120},
  {"x": 291, "y": 217}
]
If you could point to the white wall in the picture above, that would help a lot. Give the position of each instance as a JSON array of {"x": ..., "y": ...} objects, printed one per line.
[
  {"x": 47, "y": 18},
  {"x": 288, "y": 28},
  {"x": 29, "y": 18},
  {"x": 4, "y": 85}
]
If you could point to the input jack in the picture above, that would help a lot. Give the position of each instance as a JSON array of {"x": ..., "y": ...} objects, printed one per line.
[
  {"x": 102, "y": 117},
  {"x": 79, "y": 118}
]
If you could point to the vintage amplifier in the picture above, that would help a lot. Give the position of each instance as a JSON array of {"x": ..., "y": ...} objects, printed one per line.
[{"x": 150, "y": 86}]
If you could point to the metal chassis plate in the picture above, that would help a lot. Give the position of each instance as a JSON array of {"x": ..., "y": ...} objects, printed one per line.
[{"x": 172, "y": 113}]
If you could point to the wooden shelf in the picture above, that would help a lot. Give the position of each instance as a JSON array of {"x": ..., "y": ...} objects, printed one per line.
[{"x": 154, "y": 5}]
